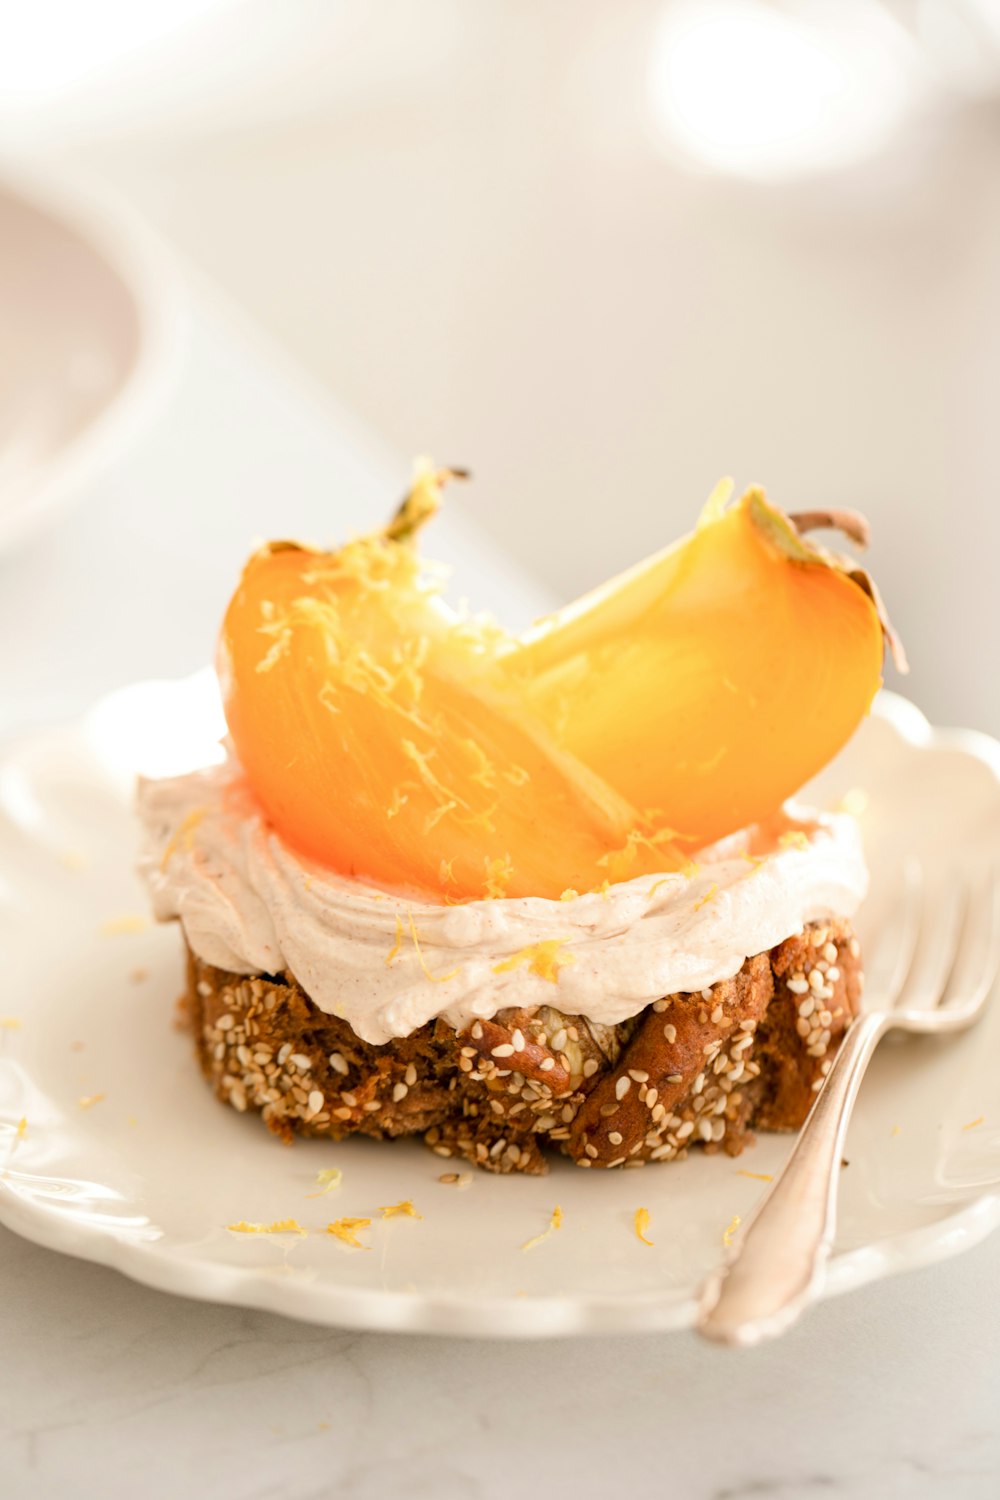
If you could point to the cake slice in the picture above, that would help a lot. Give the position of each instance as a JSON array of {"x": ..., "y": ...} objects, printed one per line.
[{"x": 424, "y": 895}]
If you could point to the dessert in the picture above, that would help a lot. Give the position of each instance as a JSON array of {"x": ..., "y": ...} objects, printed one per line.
[{"x": 518, "y": 895}]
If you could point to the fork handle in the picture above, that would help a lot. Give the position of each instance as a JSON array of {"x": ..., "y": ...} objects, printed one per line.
[{"x": 779, "y": 1259}]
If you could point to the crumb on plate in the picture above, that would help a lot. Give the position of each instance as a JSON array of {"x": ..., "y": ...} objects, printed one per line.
[
  {"x": 555, "y": 1222},
  {"x": 640, "y": 1224},
  {"x": 345, "y": 1230}
]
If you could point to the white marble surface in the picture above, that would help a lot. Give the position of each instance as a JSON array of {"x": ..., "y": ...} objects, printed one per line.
[{"x": 110, "y": 1389}]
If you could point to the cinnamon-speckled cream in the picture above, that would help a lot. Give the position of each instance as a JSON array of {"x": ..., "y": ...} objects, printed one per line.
[{"x": 387, "y": 962}]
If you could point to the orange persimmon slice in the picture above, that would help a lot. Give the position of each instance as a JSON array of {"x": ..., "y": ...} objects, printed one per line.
[
  {"x": 713, "y": 680},
  {"x": 381, "y": 741}
]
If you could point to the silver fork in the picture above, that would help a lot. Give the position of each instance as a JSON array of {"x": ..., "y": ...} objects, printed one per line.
[{"x": 941, "y": 975}]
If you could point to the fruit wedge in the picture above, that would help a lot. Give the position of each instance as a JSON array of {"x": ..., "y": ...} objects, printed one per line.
[
  {"x": 382, "y": 740},
  {"x": 710, "y": 682}
]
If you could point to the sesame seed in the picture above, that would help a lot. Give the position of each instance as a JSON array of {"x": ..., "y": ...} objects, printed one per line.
[
  {"x": 590, "y": 1067},
  {"x": 833, "y": 973},
  {"x": 705, "y": 1129},
  {"x": 698, "y": 1084},
  {"x": 547, "y": 1064},
  {"x": 498, "y": 1147},
  {"x": 341, "y": 1114},
  {"x": 718, "y": 1129},
  {"x": 300, "y": 1061},
  {"x": 651, "y": 1097},
  {"x": 638, "y": 1076},
  {"x": 411, "y": 1074},
  {"x": 675, "y": 1077},
  {"x": 622, "y": 1087},
  {"x": 660, "y": 1006},
  {"x": 717, "y": 1015},
  {"x": 706, "y": 994},
  {"x": 477, "y": 1030},
  {"x": 658, "y": 1113},
  {"x": 372, "y": 1106},
  {"x": 806, "y": 1007},
  {"x": 684, "y": 1130},
  {"x": 591, "y": 1152},
  {"x": 670, "y": 1032},
  {"x": 615, "y": 1137},
  {"x": 802, "y": 1026},
  {"x": 544, "y": 1122},
  {"x": 399, "y": 1092},
  {"x": 338, "y": 1063},
  {"x": 350, "y": 1099},
  {"x": 559, "y": 1041},
  {"x": 607, "y": 1110},
  {"x": 830, "y": 953},
  {"x": 315, "y": 1102},
  {"x": 798, "y": 986},
  {"x": 815, "y": 979},
  {"x": 855, "y": 948},
  {"x": 517, "y": 1038},
  {"x": 224, "y": 1022},
  {"x": 504, "y": 1049}
]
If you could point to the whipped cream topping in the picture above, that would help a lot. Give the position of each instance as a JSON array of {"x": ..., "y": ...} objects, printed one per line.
[{"x": 387, "y": 963}]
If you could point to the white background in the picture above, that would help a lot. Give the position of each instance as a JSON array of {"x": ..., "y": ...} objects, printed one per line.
[{"x": 462, "y": 219}]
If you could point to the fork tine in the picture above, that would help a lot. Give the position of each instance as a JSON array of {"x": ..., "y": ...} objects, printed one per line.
[
  {"x": 978, "y": 959},
  {"x": 886, "y": 970},
  {"x": 937, "y": 949}
]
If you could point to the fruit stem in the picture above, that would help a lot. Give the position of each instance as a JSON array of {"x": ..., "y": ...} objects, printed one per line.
[
  {"x": 851, "y": 522},
  {"x": 422, "y": 501}
]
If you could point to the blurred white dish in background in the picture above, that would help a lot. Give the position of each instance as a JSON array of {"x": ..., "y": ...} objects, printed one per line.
[
  {"x": 763, "y": 91},
  {"x": 87, "y": 319}
]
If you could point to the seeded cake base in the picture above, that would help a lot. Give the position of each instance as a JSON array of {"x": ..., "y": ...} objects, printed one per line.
[{"x": 690, "y": 1070}]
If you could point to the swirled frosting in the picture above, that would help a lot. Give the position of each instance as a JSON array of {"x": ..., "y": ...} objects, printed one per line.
[{"x": 387, "y": 962}]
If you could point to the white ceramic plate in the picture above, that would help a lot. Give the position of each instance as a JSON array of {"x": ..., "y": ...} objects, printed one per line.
[
  {"x": 87, "y": 318},
  {"x": 147, "y": 1177}
]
